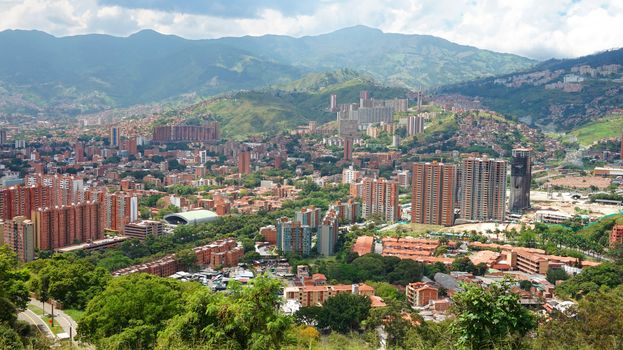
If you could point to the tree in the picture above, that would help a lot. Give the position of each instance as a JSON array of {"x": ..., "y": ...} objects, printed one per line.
[
  {"x": 67, "y": 279},
  {"x": 591, "y": 279},
  {"x": 554, "y": 275},
  {"x": 187, "y": 259},
  {"x": 486, "y": 318},
  {"x": 131, "y": 311},
  {"x": 344, "y": 312},
  {"x": 13, "y": 291},
  {"x": 9, "y": 339},
  {"x": 596, "y": 324},
  {"x": 407, "y": 271},
  {"x": 244, "y": 318},
  {"x": 525, "y": 285}
]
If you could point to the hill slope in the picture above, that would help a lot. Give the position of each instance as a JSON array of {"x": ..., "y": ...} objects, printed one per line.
[
  {"x": 397, "y": 59},
  {"x": 252, "y": 112},
  {"x": 556, "y": 94},
  {"x": 78, "y": 74}
]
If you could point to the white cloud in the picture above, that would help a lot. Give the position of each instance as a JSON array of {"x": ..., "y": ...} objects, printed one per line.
[{"x": 535, "y": 28}]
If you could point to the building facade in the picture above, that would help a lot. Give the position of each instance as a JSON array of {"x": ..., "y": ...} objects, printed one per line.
[
  {"x": 19, "y": 235},
  {"x": 380, "y": 197},
  {"x": 483, "y": 189},
  {"x": 327, "y": 234},
  {"x": 521, "y": 179},
  {"x": 293, "y": 237},
  {"x": 433, "y": 197}
]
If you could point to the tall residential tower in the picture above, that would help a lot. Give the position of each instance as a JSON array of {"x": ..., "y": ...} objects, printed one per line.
[{"x": 521, "y": 178}]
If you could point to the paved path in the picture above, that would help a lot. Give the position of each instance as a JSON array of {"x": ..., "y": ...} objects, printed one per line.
[
  {"x": 65, "y": 321},
  {"x": 36, "y": 321}
]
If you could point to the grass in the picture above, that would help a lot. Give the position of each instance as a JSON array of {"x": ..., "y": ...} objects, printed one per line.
[
  {"x": 607, "y": 127},
  {"x": 76, "y": 315},
  {"x": 56, "y": 327},
  {"x": 411, "y": 230}
]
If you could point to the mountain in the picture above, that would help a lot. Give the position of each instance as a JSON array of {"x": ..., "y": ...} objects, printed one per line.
[
  {"x": 40, "y": 73},
  {"x": 556, "y": 95},
  {"x": 396, "y": 59},
  {"x": 281, "y": 108}
]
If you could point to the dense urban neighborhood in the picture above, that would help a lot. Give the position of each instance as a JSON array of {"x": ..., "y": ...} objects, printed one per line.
[{"x": 299, "y": 208}]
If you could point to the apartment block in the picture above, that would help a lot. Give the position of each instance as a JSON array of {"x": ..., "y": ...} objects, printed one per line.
[
  {"x": 421, "y": 294},
  {"x": 380, "y": 197},
  {"x": 483, "y": 189},
  {"x": 293, "y": 237},
  {"x": 317, "y": 295},
  {"x": 19, "y": 235},
  {"x": 269, "y": 233},
  {"x": 616, "y": 235},
  {"x": 221, "y": 253},
  {"x": 433, "y": 196},
  {"x": 348, "y": 212},
  {"x": 327, "y": 234},
  {"x": 144, "y": 228},
  {"x": 309, "y": 216}
]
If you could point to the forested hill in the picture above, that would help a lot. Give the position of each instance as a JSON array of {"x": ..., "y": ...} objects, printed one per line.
[
  {"x": 77, "y": 74},
  {"x": 556, "y": 94}
]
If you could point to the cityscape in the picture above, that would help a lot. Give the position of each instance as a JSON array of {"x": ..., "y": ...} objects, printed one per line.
[{"x": 360, "y": 188}]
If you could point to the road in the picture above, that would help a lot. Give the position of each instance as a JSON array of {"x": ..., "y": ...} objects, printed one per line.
[
  {"x": 67, "y": 323},
  {"x": 36, "y": 321}
]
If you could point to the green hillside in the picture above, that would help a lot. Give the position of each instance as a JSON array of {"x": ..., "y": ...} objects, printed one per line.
[
  {"x": 270, "y": 110},
  {"x": 607, "y": 127},
  {"x": 537, "y": 96},
  {"x": 40, "y": 73}
]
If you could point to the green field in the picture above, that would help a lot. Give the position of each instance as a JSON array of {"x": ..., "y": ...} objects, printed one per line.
[{"x": 604, "y": 128}]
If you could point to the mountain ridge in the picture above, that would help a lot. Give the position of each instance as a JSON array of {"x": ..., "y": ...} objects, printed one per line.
[
  {"x": 558, "y": 95},
  {"x": 44, "y": 74}
]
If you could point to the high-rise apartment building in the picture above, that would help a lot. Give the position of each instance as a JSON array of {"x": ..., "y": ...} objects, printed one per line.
[
  {"x": 115, "y": 137},
  {"x": 349, "y": 211},
  {"x": 308, "y": 216},
  {"x": 3, "y": 136},
  {"x": 19, "y": 236},
  {"x": 483, "y": 189},
  {"x": 380, "y": 197},
  {"x": 208, "y": 132},
  {"x": 327, "y": 234},
  {"x": 244, "y": 162},
  {"x": 61, "y": 226},
  {"x": 333, "y": 103},
  {"x": 521, "y": 179},
  {"x": 350, "y": 175},
  {"x": 415, "y": 125},
  {"x": 293, "y": 237},
  {"x": 348, "y": 149},
  {"x": 432, "y": 200}
]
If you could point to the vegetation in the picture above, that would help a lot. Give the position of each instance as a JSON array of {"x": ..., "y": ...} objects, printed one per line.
[
  {"x": 131, "y": 311},
  {"x": 592, "y": 279},
  {"x": 488, "y": 318},
  {"x": 67, "y": 279},
  {"x": 14, "y": 334},
  {"x": 554, "y": 108},
  {"x": 227, "y": 64},
  {"x": 607, "y": 127},
  {"x": 342, "y": 313}
]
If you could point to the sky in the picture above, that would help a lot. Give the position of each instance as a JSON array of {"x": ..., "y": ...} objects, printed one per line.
[{"x": 537, "y": 29}]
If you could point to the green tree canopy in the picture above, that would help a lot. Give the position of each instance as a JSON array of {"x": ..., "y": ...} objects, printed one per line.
[
  {"x": 13, "y": 291},
  {"x": 487, "y": 318},
  {"x": 68, "y": 279},
  {"x": 131, "y": 311},
  {"x": 244, "y": 318}
]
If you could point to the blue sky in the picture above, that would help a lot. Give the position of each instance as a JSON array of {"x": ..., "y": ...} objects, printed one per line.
[{"x": 534, "y": 28}]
